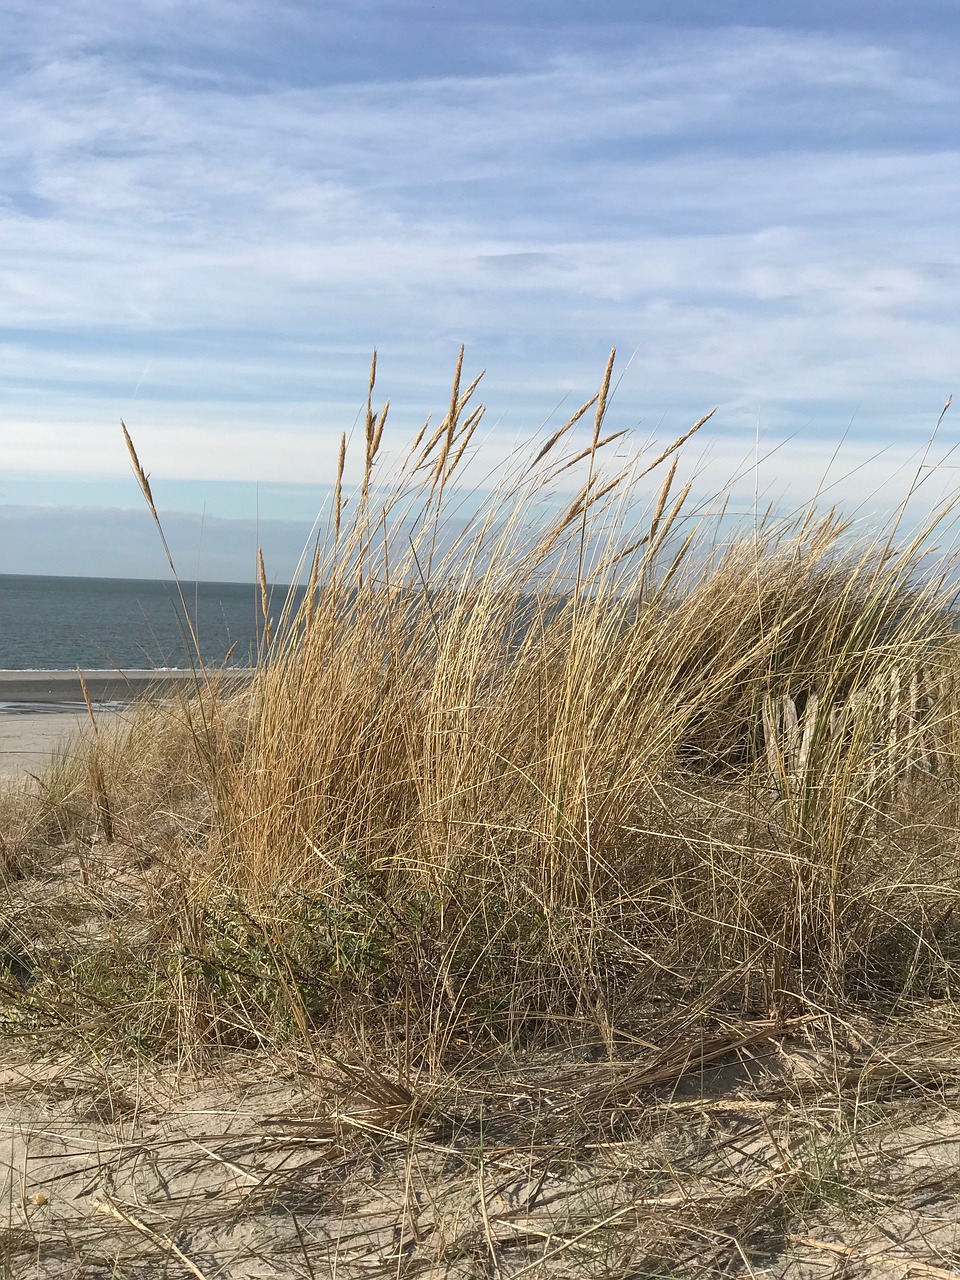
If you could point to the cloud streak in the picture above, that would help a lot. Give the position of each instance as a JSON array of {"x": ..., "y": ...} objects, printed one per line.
[{"x": 207, "y": 238}]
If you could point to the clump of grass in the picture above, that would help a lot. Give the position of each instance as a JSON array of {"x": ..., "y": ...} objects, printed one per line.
[{"x": 499, "y": 774}]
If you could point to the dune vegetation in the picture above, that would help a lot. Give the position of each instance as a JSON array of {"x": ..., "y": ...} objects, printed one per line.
[{"x": 578, "y": 808}]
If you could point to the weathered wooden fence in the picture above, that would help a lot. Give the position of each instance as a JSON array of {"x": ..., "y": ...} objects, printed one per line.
[{"x": 899, "y": 724}]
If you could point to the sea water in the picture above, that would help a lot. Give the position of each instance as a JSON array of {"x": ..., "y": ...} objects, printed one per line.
[{"x": 59, "y": 624}]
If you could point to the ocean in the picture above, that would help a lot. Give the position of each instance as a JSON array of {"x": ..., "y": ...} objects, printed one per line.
[{"x": 59, "y": 624}]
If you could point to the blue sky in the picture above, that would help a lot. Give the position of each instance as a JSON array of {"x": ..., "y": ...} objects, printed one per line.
[{"x": 211, "y": 212}]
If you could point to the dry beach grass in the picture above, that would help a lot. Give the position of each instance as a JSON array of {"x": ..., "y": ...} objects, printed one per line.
[{"x": 566, "y": 894}]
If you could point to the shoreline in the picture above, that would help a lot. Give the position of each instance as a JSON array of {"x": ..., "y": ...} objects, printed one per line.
[
  {"x": 23, "y": 691},
  {"x": 42, "y": 710}
]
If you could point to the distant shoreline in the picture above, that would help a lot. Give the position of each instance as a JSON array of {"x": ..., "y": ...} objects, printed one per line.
[{"x": 62, "y": 689}]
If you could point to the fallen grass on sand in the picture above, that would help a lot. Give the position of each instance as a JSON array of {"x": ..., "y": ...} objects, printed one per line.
[{"x": 563, "y": 896}]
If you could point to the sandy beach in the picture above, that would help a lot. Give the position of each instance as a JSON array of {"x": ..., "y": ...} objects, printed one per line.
[
  {"x": 62, "y": 688},
  {"x": 27, "y": 739},
  {"x": 39, "y": 710}
]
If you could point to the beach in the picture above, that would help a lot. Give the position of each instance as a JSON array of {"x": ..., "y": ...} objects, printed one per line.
[
  {"x": 27, "y": 739},
  {"x": 40, "y": 710}
]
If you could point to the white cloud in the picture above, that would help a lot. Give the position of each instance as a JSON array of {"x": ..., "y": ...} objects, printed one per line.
[{"x": 768, "y": 218}]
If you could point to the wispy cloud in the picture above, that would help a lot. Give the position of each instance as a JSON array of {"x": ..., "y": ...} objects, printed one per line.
[{"x": 212, "y": 212}]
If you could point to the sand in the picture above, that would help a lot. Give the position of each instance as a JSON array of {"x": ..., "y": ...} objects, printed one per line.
[
  {"x": 40, "y": 710},
  {"x": 27, "y": 740},
  {"x": 262, "y": 1172},
  {"x": 63, "y": 689}
]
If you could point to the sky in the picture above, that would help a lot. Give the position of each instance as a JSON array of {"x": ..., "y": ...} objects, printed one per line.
[{"x": 212, "y": 212}]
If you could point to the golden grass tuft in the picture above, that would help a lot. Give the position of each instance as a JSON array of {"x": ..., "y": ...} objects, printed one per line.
[{"x": 500, "y": 775}]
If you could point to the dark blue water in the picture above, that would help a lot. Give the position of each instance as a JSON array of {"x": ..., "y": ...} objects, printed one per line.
[{"x": 58, "y": 624}]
